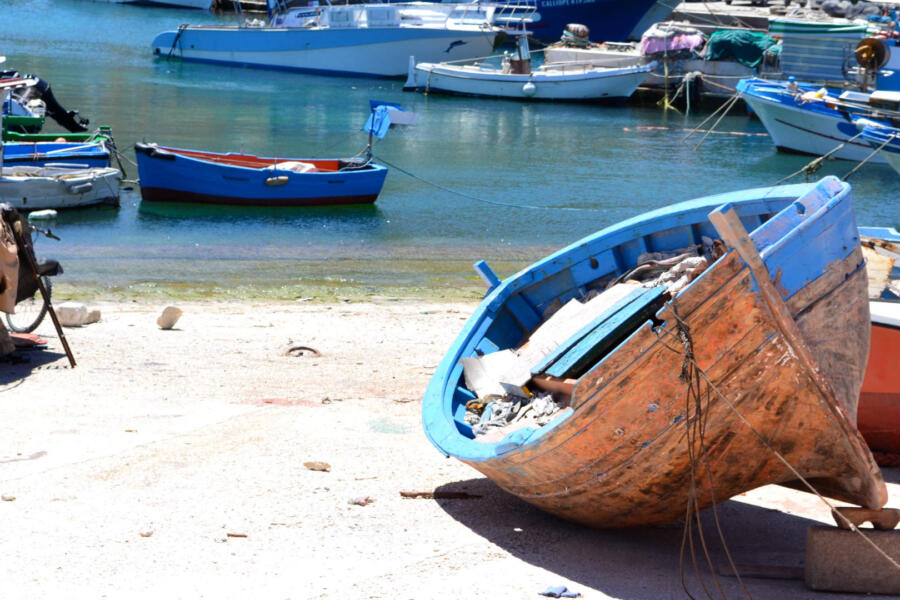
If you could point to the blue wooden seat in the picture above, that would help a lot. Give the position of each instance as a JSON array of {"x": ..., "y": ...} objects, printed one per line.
[{"x": 596, "y": 339}]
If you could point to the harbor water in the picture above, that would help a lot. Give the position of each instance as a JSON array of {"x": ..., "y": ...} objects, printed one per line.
[{"x": 476, "y": 178}]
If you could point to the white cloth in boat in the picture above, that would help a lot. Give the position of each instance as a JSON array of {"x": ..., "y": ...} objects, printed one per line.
[{"x": 293, "y": 165}]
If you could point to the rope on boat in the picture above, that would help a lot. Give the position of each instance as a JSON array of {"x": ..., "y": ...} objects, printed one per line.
[
  {"x": 810, "y": 168},
  {"x": 695, "y": 435},
  {"x": 475, "y": 198},
  {"x": 181, "y": 29},
  {"x": 725, "y": 106},
  {"x": 730, "y": 104},
  {"x": 762, "y": 440},
  {"x": 866, "y": 159}
]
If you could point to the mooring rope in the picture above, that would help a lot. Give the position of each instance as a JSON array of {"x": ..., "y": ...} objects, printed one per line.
[
  {"x": 475, "y": 198},
  {"x": 779, "y": 456},
  {"x": 815, "y": 164},
  {"x": 695, "y": 435},
  {"x": 725, "y": 106},
  {"x": 866, "y": 159}
]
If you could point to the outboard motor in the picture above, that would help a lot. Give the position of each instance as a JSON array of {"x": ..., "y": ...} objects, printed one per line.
[{"x": 41, "y": 91}]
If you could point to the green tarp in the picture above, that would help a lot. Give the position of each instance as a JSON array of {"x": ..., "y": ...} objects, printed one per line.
[{"x": 746, "y": 47}]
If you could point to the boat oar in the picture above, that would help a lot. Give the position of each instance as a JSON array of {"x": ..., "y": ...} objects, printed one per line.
[{"x": 32, "y": 264}]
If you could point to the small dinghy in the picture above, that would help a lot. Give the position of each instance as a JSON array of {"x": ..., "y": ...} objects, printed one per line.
[
  {"x": 50, "y": 153},
  {"x": 515, "y": 78},
  {"x": 38, "y": 188},
  {"x": 194, "y": 176},
  {"x": 660, "y": 364}
]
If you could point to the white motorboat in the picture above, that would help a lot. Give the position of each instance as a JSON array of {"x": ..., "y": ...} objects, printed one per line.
[
  {"x": 358, "y": 39},
  {"x": 516, "y": 79}
]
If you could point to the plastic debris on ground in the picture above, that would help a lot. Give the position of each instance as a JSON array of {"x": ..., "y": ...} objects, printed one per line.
[{"x": 559, "y": 591}]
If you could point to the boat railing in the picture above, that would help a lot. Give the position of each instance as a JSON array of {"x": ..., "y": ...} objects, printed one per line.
[{"x": 515, "y": 14}]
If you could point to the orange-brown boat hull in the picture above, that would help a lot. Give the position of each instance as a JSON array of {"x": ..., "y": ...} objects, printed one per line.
[{"x": 622, "y": 458}]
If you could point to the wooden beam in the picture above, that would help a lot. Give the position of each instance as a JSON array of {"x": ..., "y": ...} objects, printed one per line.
[{"x": 729, "y": 226}]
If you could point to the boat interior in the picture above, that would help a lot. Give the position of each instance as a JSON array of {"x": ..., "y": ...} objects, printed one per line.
[
  {"x": 514, "y": 309},
  {"x": 305, "y": 165}
]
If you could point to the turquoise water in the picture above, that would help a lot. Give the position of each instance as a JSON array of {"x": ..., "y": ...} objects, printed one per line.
[{"x": 528, "y": 165}]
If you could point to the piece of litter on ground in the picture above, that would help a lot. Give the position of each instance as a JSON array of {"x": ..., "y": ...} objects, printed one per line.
[
  {"x": 236, "y": 535},
  {"x": 361, "y": 500},
  {"x": 560, "y": 591},
  {"x": 7, "y": 497},
  {"x": 299, "y": 351},
  {"x": 317, "y": 465},
  {"x": 438, "y": 495},
  {"x": 147, "y": 533}
]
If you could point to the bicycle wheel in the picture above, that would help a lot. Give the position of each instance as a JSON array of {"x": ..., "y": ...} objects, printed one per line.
[{"x": 30, "y": 312}]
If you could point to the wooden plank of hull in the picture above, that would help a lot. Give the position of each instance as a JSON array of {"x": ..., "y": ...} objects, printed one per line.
[{"x": 621, "y": 459}]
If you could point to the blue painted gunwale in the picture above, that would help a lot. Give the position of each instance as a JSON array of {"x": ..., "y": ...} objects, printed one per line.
[
  {"x": 38, "y": 153},
  {"x": 798, "y": 230},
  {"x": 216, "y": 183},
  {"x": 876, "y": 136}
]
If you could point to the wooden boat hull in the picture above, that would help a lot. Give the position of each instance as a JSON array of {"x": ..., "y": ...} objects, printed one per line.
[
  {"x": 38, "y": 188},
  {"x": 879, "y": 400},
  {"x": 192, "y": 176},
  {"x": 620, "y": 454}
]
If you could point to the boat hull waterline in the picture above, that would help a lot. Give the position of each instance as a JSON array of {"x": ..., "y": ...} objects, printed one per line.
[
  {"x": 618, "y": 455},
  {"x": 192, "y": 176}
]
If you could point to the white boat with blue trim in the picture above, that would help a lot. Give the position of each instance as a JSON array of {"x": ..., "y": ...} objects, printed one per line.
[
  {"x": 361, "y": 39},
  {"x": 815, "y": 120}
]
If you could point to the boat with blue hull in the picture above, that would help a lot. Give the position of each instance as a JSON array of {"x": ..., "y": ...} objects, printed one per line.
[
  {"x": 88, "y": 154},
  {"x": 810, "y": 119},
  {"x": 193, "y": 176},
  {"x": 673, "y": 399},
  {"x": 608, "y": 20}
]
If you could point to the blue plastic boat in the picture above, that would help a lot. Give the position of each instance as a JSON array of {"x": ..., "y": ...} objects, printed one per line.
[
  {"x": 664, "y": 395},
  {"x": 193, "y": 176}
]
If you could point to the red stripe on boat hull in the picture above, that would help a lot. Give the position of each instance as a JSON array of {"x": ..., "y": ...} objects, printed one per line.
[{"x": 150, "y": 194}]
